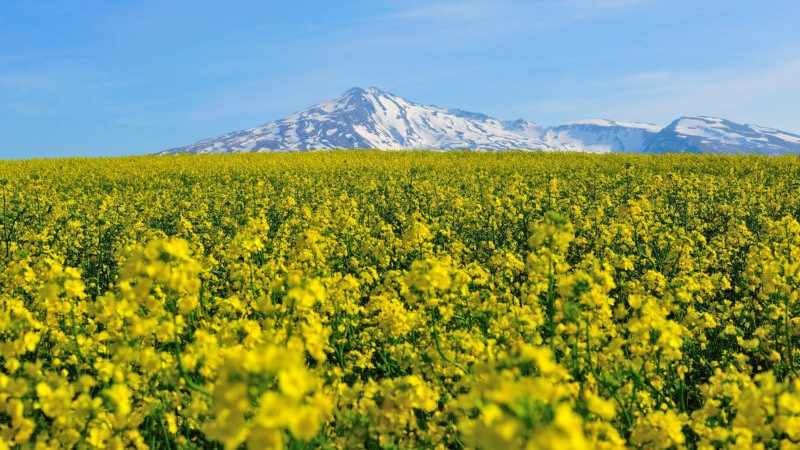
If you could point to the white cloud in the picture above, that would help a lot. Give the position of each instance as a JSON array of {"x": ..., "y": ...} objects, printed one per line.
[
  {"x": 444, "y": 25},
  {"x": 28, "y": 108},
  {"x": 585, "y": 9},
  {"x": 764, "y": 95},
  {"x": 447, "y": 12},
  {"x": 28, "y": 82}
]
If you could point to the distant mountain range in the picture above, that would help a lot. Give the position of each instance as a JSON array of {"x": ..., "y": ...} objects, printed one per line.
[{"x": 374, "y": 119}]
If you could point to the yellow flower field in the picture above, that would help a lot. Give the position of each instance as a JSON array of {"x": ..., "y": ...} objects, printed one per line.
[{"x": 358, "y": 299}]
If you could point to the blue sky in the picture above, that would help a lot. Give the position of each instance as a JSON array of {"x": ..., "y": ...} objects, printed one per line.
[{"x": 108, "y": 78}]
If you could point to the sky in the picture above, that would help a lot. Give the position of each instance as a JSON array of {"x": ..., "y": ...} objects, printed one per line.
[{"x": 95, "y": 78}]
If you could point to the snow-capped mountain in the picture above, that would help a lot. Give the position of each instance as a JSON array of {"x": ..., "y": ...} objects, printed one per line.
[
  {"x": 596, "y": 136},
  {"x": 371, "y": 118},
  {"x": 713, "y": 135}
]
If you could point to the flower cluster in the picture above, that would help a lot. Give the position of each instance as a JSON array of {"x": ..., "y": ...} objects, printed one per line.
[{"x": 400, "y": 300}]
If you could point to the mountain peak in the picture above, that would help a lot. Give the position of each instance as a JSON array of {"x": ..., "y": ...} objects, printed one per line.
[
  {"x": 361, "y": 92},
  {"x": 364, "y": 92},
  {"x": 372, "y": 118},
  {"x": 355, "y": 91},
  {"x": 706, "y": 134},
  {"x": 357, "y": 101}
]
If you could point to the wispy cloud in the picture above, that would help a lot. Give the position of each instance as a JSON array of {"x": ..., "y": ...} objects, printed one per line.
[
  {"x": 592, "y": 8},
  {"x": 763, "y": 95},
  {"x": 28, "y": 108},
  {"x": 442, "y": 25},
  {"x": 446, "y": 12},
  {"x": 606, "y": 4},
  {"x": 27, "y": 94},
  {"x": 723, "y": 85},
  {"x": 28, "y": 82}
]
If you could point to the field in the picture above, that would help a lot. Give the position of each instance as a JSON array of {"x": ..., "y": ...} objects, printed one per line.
[{"x": 400, "y": 300}]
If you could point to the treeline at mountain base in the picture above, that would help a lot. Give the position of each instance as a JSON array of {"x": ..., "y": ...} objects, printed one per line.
[{"x": 362, "y": 299}]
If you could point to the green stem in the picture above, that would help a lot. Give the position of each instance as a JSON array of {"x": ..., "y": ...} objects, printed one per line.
[
  {"x": 441, "y": 353},
  {"x": 788, "y": 334},
  {"x": 787, "y": 321},
  {"x": 191, "y": 384},
  {"x": 614, "y": 394},
  {"x": 6, "y": 234},
  {"x": 164, "y": 432},
  {"x": 75, "y": 338},
  {"x": 551, "y": 299}
]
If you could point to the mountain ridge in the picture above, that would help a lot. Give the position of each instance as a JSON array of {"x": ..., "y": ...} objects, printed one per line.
[{"x": 373, "y": 119}]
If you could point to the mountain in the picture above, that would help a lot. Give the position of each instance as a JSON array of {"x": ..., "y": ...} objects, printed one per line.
[
  {"x": 371, "y": 118},
  {"x": 713, "y": 135},
  {"x": 596, "y": 136}
]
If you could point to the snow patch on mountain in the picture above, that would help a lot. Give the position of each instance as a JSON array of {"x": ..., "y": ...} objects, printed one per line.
[{"x": 613, "y": 123}]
